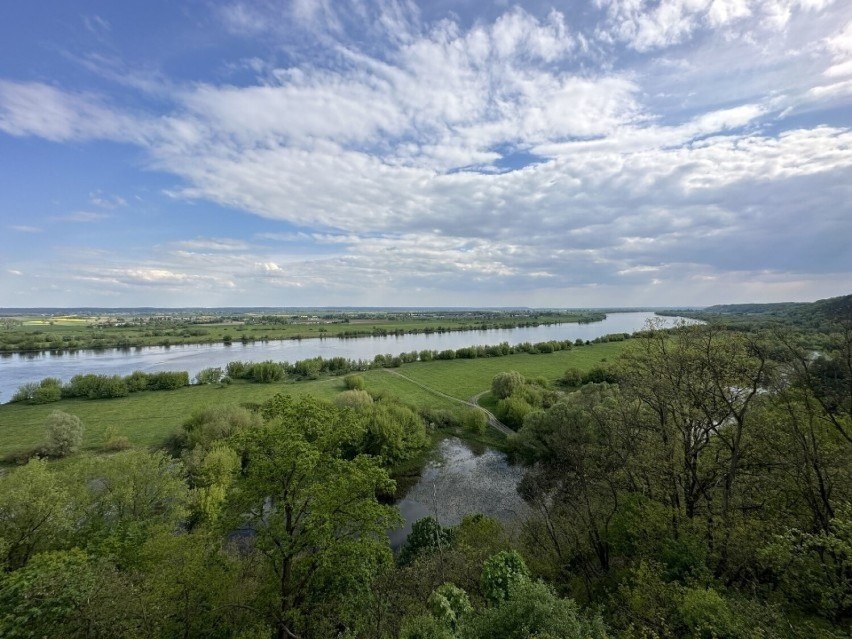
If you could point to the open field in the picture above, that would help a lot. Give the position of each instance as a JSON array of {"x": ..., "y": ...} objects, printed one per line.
[{"x": 148, "y": 418}]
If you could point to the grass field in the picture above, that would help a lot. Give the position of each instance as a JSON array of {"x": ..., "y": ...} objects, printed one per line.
[{"x": 148, "y": 418}]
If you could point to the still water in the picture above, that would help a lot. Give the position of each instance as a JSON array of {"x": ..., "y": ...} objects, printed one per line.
[
  {"x": 17, "y": 369},
  {"x": 462, "y": 480}
]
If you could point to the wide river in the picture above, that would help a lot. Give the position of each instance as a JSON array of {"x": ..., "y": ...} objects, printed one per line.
[{"x": 17, "y": 369}]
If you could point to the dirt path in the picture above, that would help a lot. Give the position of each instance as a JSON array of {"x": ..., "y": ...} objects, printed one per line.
[{"x": 492, "y": 420}]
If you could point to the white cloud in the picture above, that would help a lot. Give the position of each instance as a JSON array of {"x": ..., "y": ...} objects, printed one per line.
[
  {"x": 83, "y": 216},
  {"x": 645, "y": 25},
  {"x": 32, "y": 108},
  {"x": 505, "y": 157},
  {"x": 213, "y": 244}
]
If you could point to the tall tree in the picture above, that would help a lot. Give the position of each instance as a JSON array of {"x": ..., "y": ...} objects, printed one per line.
[{"x": 310, "y": 508}]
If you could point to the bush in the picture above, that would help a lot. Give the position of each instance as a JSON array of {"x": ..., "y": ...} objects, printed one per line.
[
  {"x": 475, "y": 421},
  {"x": 116, "y": 444},
  {"x": 49, "y": 390},
  {"x": 25, "y": 392},
  {"x": 571, "y": 378},
  {"x": 44, "y": 392},
  {"x": 266, "y": 372},
  {"x": 512, "y": 410},
  {"x": 353, "y": 399},
  {"x": 96, "y": 387},
  {"x": 64, "y": 434},
  {"x": 354, "y": 382},
  {"x": 137, "y": 381},
  {"x": 167, "y": 380},
  {"x": 600, "y": 375},
  {"x": 209, "y": 376},
  {"x": 237, "y": 370},
  {"x": 217, "y": 422},
  {"x": 504, "y": 384}
]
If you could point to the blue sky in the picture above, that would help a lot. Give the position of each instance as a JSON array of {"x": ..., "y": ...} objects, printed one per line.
[{"x": 318, "y": 152}]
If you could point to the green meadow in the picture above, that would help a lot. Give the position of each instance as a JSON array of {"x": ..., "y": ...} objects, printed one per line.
[{"x": 149, "y": 418}]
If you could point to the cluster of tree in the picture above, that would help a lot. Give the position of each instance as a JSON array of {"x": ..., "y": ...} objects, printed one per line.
[
  {"x": 707, "y": 493},
  {"x": 266, "y": 524},
  {"x": 517, "y": 397},
  {"x": 93, "y": 386}
]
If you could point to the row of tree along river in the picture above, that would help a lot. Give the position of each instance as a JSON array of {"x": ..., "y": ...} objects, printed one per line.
[{"x": 17, "y": 369}]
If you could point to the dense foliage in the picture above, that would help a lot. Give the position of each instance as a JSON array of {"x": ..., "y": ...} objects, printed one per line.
[{"x": 699, "y": 487}]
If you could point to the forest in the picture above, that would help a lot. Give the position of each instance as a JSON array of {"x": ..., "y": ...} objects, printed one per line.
[{"x": 699, "y": 486}]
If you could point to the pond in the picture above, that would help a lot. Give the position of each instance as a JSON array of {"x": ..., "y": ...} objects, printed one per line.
[
  {"x": 18, "y": 369},
  {"x": 463, "y": 480}
]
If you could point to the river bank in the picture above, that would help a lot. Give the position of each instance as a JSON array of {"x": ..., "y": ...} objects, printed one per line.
[{"x": 20, "y": 369}]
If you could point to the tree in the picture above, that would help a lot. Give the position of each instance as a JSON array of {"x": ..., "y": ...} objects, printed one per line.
[
  {"x": 311, "y": 506},
  {"x": 34, "y": 513},
  {"x": 532, "y": 609},
  {"x": 501, "y": 573},
  {"x": 129, "y": 497},
  {"x": 475, "y": 421},
  {"x": 426, "y": 536},
  {"x": 504, "y": 384},
  {"x": 698, "y": 387},
  {"x": 64, "y": 434},
  {"x": 450, "y": 604},
  {"x": 59, "y": 593}
]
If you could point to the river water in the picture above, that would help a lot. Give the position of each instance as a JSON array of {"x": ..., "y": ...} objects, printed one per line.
[
  {"x": 17, "y": 369},
  {"x": 463, "y": 480}
]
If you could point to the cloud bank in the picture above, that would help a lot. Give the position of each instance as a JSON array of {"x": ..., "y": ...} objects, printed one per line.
[{"x": 525, "y": 159}]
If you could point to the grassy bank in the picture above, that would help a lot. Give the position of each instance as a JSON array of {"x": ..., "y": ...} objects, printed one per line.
[{"x": 148, "y": 418}]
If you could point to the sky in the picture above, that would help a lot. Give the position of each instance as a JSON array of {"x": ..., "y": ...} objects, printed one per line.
[{"x": 441, "y": 153}]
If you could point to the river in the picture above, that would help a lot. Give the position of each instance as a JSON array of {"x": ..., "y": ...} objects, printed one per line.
[{"x": 17, "y": 369}]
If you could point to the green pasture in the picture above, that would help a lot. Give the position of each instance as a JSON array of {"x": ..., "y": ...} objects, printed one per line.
[
  {"x": 148, "y": 418},
  {"x": 464, "y": 378}
]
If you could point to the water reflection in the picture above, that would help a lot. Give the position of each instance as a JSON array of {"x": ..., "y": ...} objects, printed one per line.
[{"x": 463, "y": 479}]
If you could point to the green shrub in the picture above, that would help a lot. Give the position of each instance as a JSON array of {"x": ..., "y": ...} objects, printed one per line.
[
  {"x": 25, "y": 392},
  {"x": 64, "y": 433},
  {"x": 354, "y": 382},
  {"x": 353, "y": 399},
  {"x": 475, "y": 421},
  {"x": 209, "y": 376},
  {"x": 504, "y": 384}
]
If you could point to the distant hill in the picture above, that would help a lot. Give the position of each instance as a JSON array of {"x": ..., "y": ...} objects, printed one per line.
[{"x": 813, "y": 314}]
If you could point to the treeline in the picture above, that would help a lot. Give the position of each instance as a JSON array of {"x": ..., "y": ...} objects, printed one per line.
[{"x": 93, "y": 386}]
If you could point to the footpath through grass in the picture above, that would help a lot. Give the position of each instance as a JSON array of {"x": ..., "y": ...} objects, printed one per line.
[{"x": 149, "y": 418}]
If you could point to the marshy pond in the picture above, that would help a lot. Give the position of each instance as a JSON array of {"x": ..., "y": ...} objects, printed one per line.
[{"x": 463, "y": 479}]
